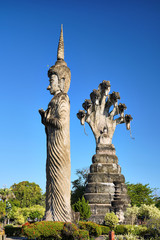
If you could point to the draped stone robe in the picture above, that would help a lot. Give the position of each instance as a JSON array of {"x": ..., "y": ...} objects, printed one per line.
[{"x": 58, "y": 167}]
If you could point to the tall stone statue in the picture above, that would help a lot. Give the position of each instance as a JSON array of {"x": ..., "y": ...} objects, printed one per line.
[
  {"x": 57, "y": 126},
  {"x": 106, "y": 190}
]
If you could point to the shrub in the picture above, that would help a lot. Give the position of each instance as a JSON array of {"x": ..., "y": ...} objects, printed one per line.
[
  {"x": 153, "y": 225},
  {"x": 54, "y": 230},
  {"x": 12, "y": 231},
  {"x": 71, "y": 232},
  {"x": 42, "y": 230},
  {"x": 16, "y": 214},
  {"x": 105, "y": 230},
  {"x": 34, "y": 212},
  {"x": 83, "y": 234},
  {"x": 93, "y": 228},
  {"x": 129, "y": 228},
  {"x": 20, "y": 215},
  {"x": 120, "y": 229},
  {"x": 82, "y": 207},
  {"x": 127, "y": 237},
  {"x": 119, "y": 237},
  {"x": 111, "y": 220},
  {"x": 140, "y": 230}
]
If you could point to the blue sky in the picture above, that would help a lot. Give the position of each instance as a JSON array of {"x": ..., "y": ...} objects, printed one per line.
[{"x": 104, "y": 40}]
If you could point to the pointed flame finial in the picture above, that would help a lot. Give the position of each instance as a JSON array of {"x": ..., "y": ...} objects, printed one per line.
[{"x": 60, "y": 52}]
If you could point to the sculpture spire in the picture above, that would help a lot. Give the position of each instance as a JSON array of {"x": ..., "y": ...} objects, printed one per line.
[{"x": 60, "y": 52}]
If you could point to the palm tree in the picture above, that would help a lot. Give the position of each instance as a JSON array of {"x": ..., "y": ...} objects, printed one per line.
[{"x": 6, "y": 194}]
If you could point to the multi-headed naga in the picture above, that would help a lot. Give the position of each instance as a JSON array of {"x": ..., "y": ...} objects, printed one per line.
[
  {"x": 106, "y": 190},
  {"x": 100, "y": 114}
]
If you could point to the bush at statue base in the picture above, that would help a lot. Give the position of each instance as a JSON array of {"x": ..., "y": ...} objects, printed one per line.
[
  {"x": 70, "y": 232},
  {"x": 42, "y": 230},
  {"x": 54, "y": 230},
  {"x": 129, "y": 229},
  {"x": 105, "y": 230},
  {"x": 93, "y": 228}
]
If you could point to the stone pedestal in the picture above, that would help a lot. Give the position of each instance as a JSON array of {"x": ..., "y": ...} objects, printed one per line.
[{"x": 106, "y": 190}]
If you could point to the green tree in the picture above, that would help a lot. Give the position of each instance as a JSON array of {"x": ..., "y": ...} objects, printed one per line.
[
  {"x": 131, "y": 214},
  {"x": 43, "y": 200},
  {"x": 34, "y": 212},
  {"x": 6, "y": 194},
  {"x": 111, "y": 220},
  {"x": 20, "y": 215},
  {"x": 78, "y": 185},
  {"x": 16, "y": 214},
  {"x": 27, "y": 194},
  {"x": 157, "y": 202},
  {"x": 148, "y": 211},
  {"x": 83, "y": 208},
  {"x": 140, "y": 194},
  {"x": 2, "y": 209}
]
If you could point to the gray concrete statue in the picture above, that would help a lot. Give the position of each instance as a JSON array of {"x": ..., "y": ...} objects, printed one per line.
[
  {"x": 106, "y": 190},
  {"x": 57, "y": 126}
]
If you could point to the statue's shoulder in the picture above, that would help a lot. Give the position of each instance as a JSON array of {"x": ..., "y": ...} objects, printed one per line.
[{"x": 63, "y": 97}]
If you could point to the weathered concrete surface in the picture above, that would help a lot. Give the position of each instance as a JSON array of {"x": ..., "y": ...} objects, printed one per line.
[
  {"x": 106, "y": 190},
  {"x": 57, "y": 126}
]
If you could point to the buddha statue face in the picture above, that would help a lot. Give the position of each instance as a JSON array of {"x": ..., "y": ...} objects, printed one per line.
[{"x": 54, "y": 84}]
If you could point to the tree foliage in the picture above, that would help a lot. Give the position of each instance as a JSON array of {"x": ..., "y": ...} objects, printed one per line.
[
  {"x": 131, "y": 214},
  {"x": 148, "y": 211},
  {"x": 143, "y": 213},
  {"x": 20, "y": 215},
  {"x": 6, "y": 194},
  {"x": 153, "y": 225},
  {"x": 27, "y": 194},
  {"x": 83, "y": 208},
  {"x": 2, "y": 209},
  {"x": 78, "y": 185},
  {"x": 140, "y": 194},
  {"x": 111, "y": 220}
]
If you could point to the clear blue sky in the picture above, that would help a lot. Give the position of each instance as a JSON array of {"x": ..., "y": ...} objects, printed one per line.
[{"x": 104, "y": 40}]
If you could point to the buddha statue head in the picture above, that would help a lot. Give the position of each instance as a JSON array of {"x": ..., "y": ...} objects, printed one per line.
[{"x": 59, "y": 72}]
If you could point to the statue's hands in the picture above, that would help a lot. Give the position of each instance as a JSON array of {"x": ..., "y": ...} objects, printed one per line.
[
  {"x": 41, "y": 111},
  {"x": 43, "y": 118}
]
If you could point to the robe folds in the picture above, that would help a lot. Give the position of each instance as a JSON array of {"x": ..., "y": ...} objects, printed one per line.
[{"x": 58, "y": 166}]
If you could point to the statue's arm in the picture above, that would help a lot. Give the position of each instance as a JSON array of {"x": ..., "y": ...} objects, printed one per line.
[
  {"x": 43, "y": 116},
  {"x": 54, "y": 122},
  {"x": 47, "y": 119}
]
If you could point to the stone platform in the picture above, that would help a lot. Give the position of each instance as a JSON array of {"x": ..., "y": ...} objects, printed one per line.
[{"x": 106, "y": 190}]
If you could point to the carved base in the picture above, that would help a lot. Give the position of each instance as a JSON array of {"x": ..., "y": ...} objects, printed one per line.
[{"x": 106, "y": 190}]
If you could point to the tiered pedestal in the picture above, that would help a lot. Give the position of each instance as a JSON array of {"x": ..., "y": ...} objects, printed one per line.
[{"x": 106, "y": 190}]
